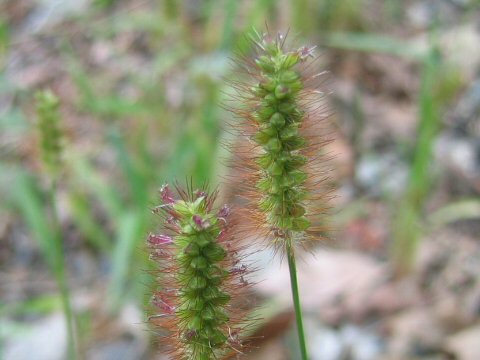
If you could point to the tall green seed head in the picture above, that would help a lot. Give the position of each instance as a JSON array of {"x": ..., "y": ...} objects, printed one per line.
[{"x": 279, "y": 118}]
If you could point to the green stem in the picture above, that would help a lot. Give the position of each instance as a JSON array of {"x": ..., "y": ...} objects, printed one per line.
[
  {"x": 59, "y": 269},
  {"x": 292, "y": 267}
]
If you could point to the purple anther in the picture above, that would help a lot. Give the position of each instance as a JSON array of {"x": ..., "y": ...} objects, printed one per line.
[
  {"x": 157, "y": 240},
  {"x": 200, "y": 193},
  {"x": 171, "y": 220},
  {"x": 166, "y": 194},
  {"x": 201, "y": 223}
]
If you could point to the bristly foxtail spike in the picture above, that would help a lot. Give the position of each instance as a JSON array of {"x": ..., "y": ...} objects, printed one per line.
[
  {"x": 201, "y": 278},
  {"x": 283, "y": 161}
]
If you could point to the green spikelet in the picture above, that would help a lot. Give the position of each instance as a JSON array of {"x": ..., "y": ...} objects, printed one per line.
[
  {"x": 279, "y": 119},
  {"x": 50, "y": 131}
]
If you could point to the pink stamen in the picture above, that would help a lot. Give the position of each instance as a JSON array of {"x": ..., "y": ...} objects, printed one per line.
[
  {"x": 166, "y": 194},
  {"x": 157, "y": 240},
  {"x": 201, "y": 224},
  {"x": 200, "y": 193}
]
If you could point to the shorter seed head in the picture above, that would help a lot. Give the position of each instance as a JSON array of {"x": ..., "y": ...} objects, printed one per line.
[{"x": 201, "y": 274}]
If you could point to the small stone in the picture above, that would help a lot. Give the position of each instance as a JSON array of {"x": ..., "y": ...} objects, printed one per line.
[{"x": 465, "y": 344}]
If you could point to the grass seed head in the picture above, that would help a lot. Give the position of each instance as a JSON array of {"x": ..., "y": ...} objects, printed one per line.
[
  {"x": 201, "y": 278},
  {"x": 282, "y": 166}
]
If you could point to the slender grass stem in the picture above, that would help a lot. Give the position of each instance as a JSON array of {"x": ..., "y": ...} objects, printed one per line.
[
  {"x": 60, "y": 274},
  {"x": 292, "y": 267}
]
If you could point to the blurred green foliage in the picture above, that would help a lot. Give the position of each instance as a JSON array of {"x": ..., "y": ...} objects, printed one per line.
[{"x": 4, "y": 38}]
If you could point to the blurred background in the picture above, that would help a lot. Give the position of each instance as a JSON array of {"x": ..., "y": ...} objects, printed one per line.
[{"x": 140, "y": 85}]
